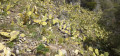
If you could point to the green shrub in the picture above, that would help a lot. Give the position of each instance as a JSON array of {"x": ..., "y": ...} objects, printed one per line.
[
  {"x": 42, "y": 49},
  {"x": 88, "y": 4}
]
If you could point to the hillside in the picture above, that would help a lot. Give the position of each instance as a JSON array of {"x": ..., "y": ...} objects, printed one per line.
[{"x": 49, "y": 28}]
